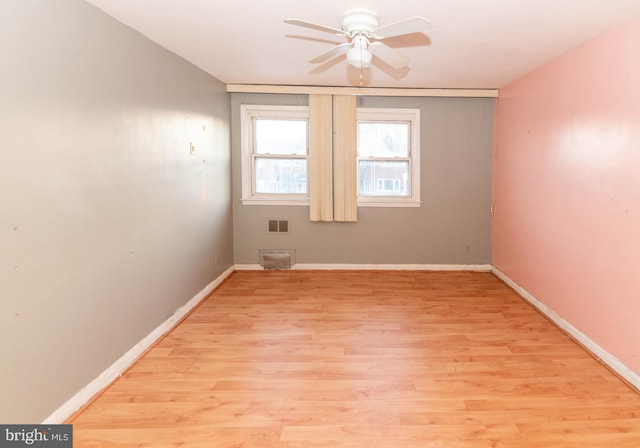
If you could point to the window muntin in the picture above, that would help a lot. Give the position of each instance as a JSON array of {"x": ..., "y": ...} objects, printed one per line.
[
  {"x": 274, "y": 154},
  {"x": 388, "y": 157}
]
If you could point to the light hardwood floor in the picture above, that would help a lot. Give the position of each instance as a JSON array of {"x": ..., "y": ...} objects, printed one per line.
[{"x": 364, "y": 359}]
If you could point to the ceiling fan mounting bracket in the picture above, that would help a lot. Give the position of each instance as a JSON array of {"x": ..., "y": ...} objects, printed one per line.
[{"x": 359, "y": 21}]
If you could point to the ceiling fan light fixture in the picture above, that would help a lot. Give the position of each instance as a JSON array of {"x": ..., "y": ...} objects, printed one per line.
[{"x": 359, "y": 57}]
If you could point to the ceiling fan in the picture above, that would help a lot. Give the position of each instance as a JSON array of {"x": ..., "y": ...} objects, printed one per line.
[{"x": 360, "y": 27}]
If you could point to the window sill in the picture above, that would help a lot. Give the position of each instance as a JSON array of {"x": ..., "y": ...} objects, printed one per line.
[
  {"x": 389, "y": 203},
  {"x": 273, "y": 201}
]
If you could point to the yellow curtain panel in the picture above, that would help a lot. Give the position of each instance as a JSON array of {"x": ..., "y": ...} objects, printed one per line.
[{"x": 332, "y": 158}]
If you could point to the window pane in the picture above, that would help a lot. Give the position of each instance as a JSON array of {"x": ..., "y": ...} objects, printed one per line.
[
  {"x": 383, "y": 139},
  {"x": 280, "y": 175},
  {"x": 281, "y": 137},
  {"x": 378, "y": 178}
]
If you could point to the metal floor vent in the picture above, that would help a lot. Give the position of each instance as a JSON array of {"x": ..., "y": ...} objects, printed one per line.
[
  {"x": 277, "y": 259},
  {"x": 278, "y": 225}
]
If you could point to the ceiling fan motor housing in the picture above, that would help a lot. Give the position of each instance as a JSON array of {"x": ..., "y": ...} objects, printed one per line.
[{"x": 359, "y": 20}]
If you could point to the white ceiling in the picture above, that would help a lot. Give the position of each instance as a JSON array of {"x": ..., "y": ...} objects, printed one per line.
[{"x": 473, "y": 43}]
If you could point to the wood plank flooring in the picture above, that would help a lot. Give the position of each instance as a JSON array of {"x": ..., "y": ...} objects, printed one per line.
[{"x": 355, "y": 359}]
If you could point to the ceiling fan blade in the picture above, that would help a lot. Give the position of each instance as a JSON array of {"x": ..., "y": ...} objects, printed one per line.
[
  {"x": 315, "y": 26},
  {"x": 407, "y": 26},
  {"x": 332, "y": 52},
  {"x": 392, "y": 57}
]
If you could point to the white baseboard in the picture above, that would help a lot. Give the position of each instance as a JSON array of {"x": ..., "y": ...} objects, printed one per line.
[
  {"x": 117, "y": 368},
  {"x": 607, "y": 358},
  {"x": 248, "y": 267},
  {"x": 376, "y": 267}
]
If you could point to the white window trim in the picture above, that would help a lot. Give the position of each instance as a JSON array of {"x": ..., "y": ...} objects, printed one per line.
[
  {"x": 412, "y": 116},
  {"x": 248, "y": 113}
]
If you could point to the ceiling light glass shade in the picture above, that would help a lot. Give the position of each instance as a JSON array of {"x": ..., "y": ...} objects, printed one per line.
[{"x": 359, "y": 57}]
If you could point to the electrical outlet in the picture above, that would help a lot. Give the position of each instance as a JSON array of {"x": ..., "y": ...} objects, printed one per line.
[{"x": 192, "y": 149}]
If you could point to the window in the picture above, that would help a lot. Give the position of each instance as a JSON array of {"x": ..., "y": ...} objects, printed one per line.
[
  {"x": 274, "y": 154},
  {"x": 388, "y": 157}
]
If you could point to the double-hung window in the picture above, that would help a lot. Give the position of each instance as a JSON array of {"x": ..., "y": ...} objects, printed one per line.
[
  {"x": 388, "y": 157},
  {"x": 275, "y": 152}
]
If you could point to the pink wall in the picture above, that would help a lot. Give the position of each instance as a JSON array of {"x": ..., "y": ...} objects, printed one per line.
[{"x": 567, "y": 188}]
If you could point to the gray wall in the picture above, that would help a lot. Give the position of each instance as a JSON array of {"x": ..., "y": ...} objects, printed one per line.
[
  {"x": 453, "y": 225},
  {"x": 107, "y": 223}
]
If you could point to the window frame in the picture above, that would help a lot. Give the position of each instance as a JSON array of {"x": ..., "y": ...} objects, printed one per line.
[
  {"x": 390, "y": 115},
  {"x": 249, "y": 113}
]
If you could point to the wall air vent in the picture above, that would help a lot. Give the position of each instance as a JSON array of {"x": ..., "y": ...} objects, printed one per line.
[
  {"x": 277, "y": 258},
  {"x": 278, "y": 226}
]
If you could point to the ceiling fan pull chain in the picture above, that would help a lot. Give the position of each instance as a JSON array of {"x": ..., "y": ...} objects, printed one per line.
[{"x": 361, "y": 64}]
